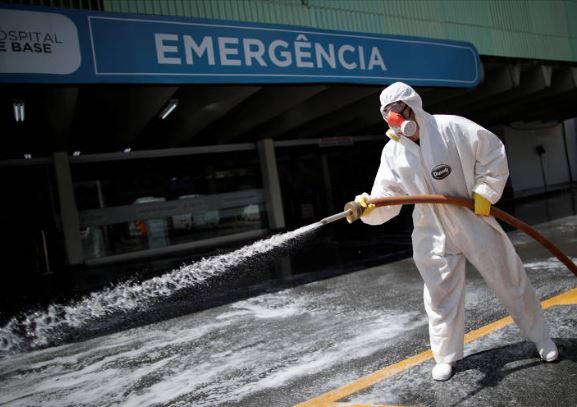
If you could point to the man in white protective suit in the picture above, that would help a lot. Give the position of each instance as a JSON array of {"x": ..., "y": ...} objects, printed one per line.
[{"x": 453, "y": 156}]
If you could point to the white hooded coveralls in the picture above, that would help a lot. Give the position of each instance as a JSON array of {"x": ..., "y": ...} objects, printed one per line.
[{"x": 456, "y": 157}]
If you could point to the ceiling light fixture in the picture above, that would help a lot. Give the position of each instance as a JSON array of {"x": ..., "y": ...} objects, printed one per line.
[
  {"x": 28, "y": 156},
  {"x": 172, "y": 103},
  {"x": 18, "y": 106}
]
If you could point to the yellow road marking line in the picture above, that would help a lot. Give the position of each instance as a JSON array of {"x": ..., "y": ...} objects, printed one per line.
[
  {"x": 330, "y": 398},
  {"x": 360, "y": 405},
  {"x": 566, "y": 298},
  {"x": 367, "y": 381}
]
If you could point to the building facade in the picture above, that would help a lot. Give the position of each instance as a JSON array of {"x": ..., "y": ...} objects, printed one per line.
[{"x": 230, "y": 140}]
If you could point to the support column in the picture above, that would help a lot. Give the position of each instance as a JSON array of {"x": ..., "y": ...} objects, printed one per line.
[
  {"x": 271, "y": 184},
  {"x": 570, "y": 138},
  {"x": 68, "y": 210}
]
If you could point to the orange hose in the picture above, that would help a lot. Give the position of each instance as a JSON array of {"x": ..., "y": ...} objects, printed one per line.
[{"x": 498, "y": 213}]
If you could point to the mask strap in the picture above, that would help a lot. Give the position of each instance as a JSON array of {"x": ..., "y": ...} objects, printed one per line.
[{"x": 403, "y": 112}]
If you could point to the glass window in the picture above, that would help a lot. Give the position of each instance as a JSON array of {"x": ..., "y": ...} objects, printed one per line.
[{"x": 142, "y": 204}]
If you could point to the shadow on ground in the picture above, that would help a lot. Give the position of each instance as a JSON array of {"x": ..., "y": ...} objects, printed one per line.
[{"x": 496, "y": 366}]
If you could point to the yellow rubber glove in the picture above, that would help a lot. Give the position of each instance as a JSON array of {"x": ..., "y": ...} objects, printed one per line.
[
  {"x": 391, "y": 134},
  {"x": 362, "y": 200},
  {"x": 482, "y": 205}
]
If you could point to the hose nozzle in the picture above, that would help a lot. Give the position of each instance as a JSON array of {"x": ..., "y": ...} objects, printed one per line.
[
  {"x": 354, "y": 211},
  {"x": 331, "y": 219}
]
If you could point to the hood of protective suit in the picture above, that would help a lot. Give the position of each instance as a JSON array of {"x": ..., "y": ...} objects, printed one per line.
[{"x": 400, "y": 91}]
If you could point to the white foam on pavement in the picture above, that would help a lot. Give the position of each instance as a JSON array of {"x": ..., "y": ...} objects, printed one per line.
[
  {"x": 193, "y": 360},
  {"x": 42, "y": 328}
]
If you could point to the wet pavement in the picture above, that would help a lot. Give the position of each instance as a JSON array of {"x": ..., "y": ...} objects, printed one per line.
[{"x": 301, "y": 344}]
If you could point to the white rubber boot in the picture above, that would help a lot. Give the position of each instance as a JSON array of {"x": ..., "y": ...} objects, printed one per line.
[
  {"x": 547, "y": 350},
  {"x": 442, "y": 371}
]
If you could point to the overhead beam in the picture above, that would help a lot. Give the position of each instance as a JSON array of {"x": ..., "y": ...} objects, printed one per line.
[
  {"x": 135, "y": 108},
  {"x": 201, "y": 108},
  {"x": 532, "y": 79},
  {"x": 262, "y": 107},
  {"x": 440, "y": 96},
  {"x": 498, "y": 81},
  {"x": 558, "y": 82},
  {"x": 365, "y": 110},
  {"x": 331, "y": 100},
  {"x": 561, "y": 108}
]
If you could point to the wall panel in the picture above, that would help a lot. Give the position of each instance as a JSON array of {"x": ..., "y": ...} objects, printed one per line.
[{"x": 536, "y": 29}]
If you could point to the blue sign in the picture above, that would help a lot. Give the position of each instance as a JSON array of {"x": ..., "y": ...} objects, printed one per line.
[{"x": 47, "y": 45}]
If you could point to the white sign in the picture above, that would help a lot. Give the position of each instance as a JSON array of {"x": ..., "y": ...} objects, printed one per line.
[{"x": 38, "y": 42}]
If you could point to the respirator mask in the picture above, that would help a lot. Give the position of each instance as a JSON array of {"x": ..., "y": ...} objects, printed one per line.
[{"x": 399, "y": 126}]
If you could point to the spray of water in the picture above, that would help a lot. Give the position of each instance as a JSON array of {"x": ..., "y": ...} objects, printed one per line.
[{"x": 42, "y": 328}]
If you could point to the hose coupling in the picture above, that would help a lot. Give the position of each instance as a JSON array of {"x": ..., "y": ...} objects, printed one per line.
[{"x": 354, "y": 211}]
